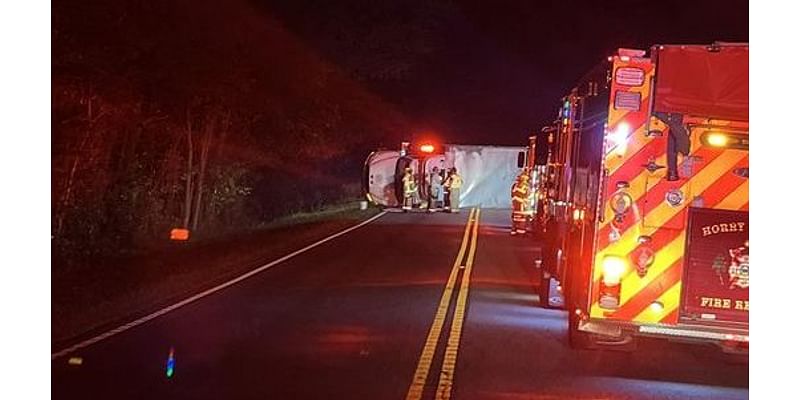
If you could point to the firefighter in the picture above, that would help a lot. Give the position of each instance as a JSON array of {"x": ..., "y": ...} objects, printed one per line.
[
  {"x": 409, "y": 189},
  {"x": 453, "y": 184},
  {"x": 520, "y": 203},
  {"x": 443, "y": 195}
]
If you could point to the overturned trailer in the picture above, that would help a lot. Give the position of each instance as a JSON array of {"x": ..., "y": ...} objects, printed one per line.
[{"x": 488, "y": 172}]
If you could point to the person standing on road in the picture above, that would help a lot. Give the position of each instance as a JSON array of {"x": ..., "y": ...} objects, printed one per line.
[
  {"x": 520, "y": 203},
  {"x": 435, "y": 190},
  {"x": 445, "y": 189},
  {"x": 409, "y": 189},
  {"x": 442, "y": 190},
  {"x": 454, "y": 183}
]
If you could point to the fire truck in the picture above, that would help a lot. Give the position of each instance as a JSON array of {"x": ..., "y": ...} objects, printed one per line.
[{"x": 643, "y": 201}]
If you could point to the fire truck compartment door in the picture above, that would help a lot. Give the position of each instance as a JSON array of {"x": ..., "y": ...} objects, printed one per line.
[{"x": 716, "y": 276}]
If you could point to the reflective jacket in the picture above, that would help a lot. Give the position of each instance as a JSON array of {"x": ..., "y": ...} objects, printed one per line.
[
  {"x": 409, "y": 186},
  {"x": 454, "y": 182}
]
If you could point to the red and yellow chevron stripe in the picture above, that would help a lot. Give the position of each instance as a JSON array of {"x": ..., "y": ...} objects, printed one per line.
[{"x": 710, "y": 180}]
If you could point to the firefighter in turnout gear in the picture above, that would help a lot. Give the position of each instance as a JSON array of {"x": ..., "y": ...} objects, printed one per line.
[
  {"x": 453, "y": 184},
  {"x": 521, "y": 194},
  {"x": 409, "y": 190}
]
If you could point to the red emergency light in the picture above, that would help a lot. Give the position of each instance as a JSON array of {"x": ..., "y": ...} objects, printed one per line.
[{"x": 427, "y": 148}]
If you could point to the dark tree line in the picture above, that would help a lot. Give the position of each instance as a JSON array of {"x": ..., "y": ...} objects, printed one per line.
[{"x": 200, "y": 114}]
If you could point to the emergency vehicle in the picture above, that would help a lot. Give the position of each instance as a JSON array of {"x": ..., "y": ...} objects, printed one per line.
[{"x": 644, "y": 199}]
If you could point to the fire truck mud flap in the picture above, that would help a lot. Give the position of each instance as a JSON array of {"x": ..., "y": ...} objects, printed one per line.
[{"x": 605, "y": 335}]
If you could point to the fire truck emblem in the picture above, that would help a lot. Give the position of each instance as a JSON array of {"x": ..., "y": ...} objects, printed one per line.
[
  {"x": 734, "y": 273},
  {"x": 739, "y": 268}
]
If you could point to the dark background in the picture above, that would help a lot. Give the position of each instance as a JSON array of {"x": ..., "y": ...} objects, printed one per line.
[
  {"x": 282, "y": 100},
  {"x": 492, "y": 71}
]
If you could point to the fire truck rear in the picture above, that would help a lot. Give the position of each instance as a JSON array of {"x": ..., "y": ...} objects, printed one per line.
[{"x": 645, "y": 199}]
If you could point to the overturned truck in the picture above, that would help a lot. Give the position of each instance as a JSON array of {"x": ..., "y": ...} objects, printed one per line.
[{"x": 488, "y": 172}]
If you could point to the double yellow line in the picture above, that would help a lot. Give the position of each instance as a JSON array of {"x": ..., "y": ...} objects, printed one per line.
[{"x": 445, "y": 385}]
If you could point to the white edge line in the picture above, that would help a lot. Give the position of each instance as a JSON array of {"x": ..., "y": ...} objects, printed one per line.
[{"x": 142, "y": 320}]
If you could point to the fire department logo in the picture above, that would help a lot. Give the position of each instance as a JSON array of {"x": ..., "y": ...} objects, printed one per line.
[
  {"x": 739, "y": 268},
  {"x": 736, "y": 274}
]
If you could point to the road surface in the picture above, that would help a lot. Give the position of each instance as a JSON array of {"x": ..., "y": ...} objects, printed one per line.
[{"x": 359, "y": 317}]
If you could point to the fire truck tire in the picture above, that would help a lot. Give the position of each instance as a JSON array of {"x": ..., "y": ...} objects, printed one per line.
[
  {"x": 544, "y": 291},
  {"x": 577, "y": 339}
]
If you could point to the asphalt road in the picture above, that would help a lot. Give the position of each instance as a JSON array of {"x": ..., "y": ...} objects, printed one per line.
[{"x": 352, "y": 319}]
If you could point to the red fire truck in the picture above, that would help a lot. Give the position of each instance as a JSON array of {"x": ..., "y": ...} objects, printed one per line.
[{"x": 644, "y": 201}]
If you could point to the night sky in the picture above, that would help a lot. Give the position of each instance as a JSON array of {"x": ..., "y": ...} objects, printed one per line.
[{"x": 491, "y": 71}]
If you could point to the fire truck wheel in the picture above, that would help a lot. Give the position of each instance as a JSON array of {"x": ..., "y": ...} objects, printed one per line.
[{"x": 544, "y": 291}]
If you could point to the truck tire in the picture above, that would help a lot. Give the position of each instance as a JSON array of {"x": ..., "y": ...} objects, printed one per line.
[
  {"x": 544, "y": 290},
  {"x": 577, "y": 339},
  {"x": 553, "y": 264}
]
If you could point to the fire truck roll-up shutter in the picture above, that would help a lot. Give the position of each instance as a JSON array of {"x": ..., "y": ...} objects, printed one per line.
[
  {"x": 716, "y": 282},
  {"x": 708, "y": 81}
]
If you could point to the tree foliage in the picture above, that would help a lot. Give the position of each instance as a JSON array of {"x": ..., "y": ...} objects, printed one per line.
[{"x": 198, "y": 113}]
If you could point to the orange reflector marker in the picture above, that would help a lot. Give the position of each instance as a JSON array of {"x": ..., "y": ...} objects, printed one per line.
[{"x": 179, "y": 234}]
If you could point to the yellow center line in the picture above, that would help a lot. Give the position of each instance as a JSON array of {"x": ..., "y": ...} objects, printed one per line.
[
  {"x": 445, "y": 387},
  {"x": 426, "y": 358}
]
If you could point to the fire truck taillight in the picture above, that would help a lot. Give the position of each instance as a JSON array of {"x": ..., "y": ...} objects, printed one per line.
[
  {"x": 617, "y": 140},
  {"x": 614, "y": 268}
]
